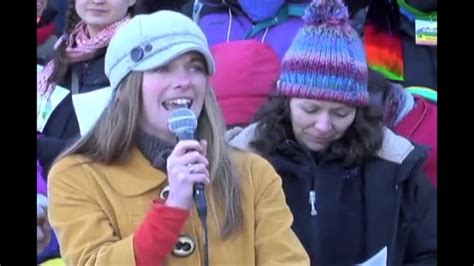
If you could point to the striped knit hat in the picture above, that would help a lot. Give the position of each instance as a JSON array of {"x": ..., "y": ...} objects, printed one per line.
[{"x": 326, "y": 60}]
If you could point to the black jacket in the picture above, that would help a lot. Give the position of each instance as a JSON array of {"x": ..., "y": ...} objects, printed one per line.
[
  {"x": 421, "y": 61},
  {"x": 399, "y": 207},
  {"x": 387, "y": 202},
  {"x": 62, "y": 128}
]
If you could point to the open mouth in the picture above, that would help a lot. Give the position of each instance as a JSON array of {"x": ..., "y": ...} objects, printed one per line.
[{"x": 177, "y": 103}]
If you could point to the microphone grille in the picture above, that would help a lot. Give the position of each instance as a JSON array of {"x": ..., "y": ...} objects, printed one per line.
[{"x": 183, "y": 123}]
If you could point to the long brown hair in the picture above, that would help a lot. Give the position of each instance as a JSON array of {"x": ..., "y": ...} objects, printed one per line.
[
  {"x": 360, "y": 142},
  {"x": 61, "y": 65},
  {"x": 112, "y": 138}
]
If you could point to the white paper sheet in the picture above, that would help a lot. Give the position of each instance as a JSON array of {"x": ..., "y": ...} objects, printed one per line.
[
  {"x": 89, "y": 106},
  {"x": 379, "y": 259},
  {"x": 47, "y": 106}
]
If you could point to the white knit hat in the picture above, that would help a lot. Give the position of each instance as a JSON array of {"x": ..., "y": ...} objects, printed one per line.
[{"x": 150, "y": 41}]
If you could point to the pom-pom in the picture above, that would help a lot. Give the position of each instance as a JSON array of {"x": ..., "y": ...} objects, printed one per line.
[{"x": 326, "y": 11}]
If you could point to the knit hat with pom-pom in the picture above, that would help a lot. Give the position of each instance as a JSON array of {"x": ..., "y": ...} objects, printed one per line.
[{"x": 326, "y": 60}]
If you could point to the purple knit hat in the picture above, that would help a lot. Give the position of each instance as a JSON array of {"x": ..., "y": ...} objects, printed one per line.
[{"x": 326, "y": 60}]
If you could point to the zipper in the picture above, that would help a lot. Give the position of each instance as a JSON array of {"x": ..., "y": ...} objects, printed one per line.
[
  {"x": 312, "y": 202},
  {"x": 312, "y": 192}
]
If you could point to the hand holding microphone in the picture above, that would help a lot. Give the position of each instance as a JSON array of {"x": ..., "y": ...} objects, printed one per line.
[
  {"x": 190, "y": 154},
  {"x": 187, "y": 165}
]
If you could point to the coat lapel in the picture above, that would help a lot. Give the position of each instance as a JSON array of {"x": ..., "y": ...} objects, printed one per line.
[{"x": 136, "y": 176}]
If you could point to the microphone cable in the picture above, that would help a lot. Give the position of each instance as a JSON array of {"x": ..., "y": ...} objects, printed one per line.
[{"x": 201, "y": 206}]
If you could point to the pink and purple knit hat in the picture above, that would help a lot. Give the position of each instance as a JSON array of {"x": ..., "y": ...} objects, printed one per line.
[{"x": 326, "y": 60}]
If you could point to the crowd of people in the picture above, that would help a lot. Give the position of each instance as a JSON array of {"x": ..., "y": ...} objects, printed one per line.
[{"x": 314, "y": 132}]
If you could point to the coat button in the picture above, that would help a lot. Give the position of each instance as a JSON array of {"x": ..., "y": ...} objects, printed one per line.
[
  {"x": 164, "y": 193},
  {"x": 148, "y": 47},
  {"x": 136, "y": 54},
  {"x": 184, "y": 247}
]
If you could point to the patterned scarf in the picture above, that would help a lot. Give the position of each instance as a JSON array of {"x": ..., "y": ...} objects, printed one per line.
[{"x": 79, "y": 47}]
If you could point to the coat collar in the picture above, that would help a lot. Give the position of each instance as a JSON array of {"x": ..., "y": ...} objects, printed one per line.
[
  {"x": 240, "y": 138},
  {"x": 135, "y": 176},
  {"x": 394, "y": 148}
]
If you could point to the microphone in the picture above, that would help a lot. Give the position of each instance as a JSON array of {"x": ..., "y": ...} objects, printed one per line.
[{"x": 183, "y": 123}]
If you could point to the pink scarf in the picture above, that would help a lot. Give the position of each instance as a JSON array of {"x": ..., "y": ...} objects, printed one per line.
[{"x": 79, "y": 48}]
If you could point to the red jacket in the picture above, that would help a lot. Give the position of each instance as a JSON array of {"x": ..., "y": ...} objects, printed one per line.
[
  {"x": 421, "y": 126},
  {"x": 160, "y": 230},
  {"x": 45, "y": 26},
  {"x": 44, "y": 32}
]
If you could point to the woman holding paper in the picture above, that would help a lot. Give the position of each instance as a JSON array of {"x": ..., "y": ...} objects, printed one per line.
[{"x": 356, "y": 189}]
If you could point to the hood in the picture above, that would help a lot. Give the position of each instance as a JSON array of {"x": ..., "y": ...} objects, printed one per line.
[{"x": 240, "y": 138}]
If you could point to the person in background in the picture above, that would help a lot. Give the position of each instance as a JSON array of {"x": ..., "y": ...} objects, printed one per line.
[
  {"x": 46, "y": 242},
  {"x": 248, "y": 39},
  {"x": 412, "y": 116},
  {"x": 72, "y": 88},
  {"x": 273, "y": 22},
  {"x": 246, "y": 73},
  {"x": 45, "y": 30},
  {"x": 391, "y": 34},
  {"x": 356, "y": 189}
]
